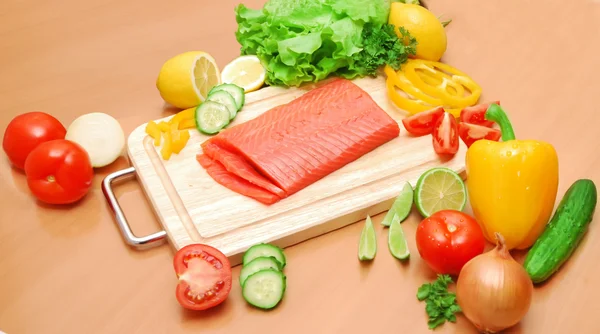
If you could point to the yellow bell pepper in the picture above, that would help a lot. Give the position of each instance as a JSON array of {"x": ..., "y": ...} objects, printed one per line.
[
  {"x": 174, "y": 132},
  {"x": 187, "y": 124},
  {"x": 180, "y": 142},
  {"x": 512, "y": 184},
  {"x": 153, "y": 131},
  {"x": 183, "y": 116},
  {"x": 167, "y": 148}
]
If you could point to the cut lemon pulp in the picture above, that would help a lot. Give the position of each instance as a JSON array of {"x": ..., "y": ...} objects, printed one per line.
[
  {"x": 246, "y": 72},
  {"x": 185, "y": 80}
]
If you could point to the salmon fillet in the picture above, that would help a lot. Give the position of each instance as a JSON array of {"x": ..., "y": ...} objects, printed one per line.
[
  {"x": 294, "y": 145},
  {"x": 218, "y": 172}
]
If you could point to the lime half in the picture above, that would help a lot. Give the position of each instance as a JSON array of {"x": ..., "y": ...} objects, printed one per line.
[
  {"x": 396, "y": 241},
  {"x": 401, "y": 206},
  {"x": 439, "y": 189},
  {"x": 367, "y": 246}
]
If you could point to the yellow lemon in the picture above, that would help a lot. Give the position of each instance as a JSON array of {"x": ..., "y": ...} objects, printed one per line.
[
  {"x": 246, "y": 72},
  {"x": 185, "y": 80},
  {"x": 422, "y": 25}
]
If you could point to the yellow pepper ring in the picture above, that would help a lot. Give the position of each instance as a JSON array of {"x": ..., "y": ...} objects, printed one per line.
[
  {"x": 399, "y": 80},
  {"x": 438, "y": 78},
  {"x": 440, "y": 90},
  {"x": 410, "y": 71},
  {"x": 410, "y": 106}
]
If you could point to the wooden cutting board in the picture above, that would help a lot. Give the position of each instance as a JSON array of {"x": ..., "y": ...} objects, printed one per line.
[{"x": 193, "y": 208}]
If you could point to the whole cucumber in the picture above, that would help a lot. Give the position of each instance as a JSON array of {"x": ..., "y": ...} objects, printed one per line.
[{"x": 564, "y": 231}]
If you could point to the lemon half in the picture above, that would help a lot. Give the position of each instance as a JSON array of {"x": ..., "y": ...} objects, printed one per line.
[{"x": 185, "y": 80}]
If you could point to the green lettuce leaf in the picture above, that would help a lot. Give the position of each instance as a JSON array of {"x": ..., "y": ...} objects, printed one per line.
[{"x": 300, "y": 41}]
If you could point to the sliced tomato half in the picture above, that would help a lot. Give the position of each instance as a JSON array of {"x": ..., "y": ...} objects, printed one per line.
[
  {"x": 422, "y": 123},
  {"x": 204, "y": 277},
  {"x": 470, "y": 133},
  {"x": 476, "y": 114},
  {"x": 445, "y": 135}
]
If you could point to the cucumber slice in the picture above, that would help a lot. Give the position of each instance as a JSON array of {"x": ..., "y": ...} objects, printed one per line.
[
  {"x": 256, "y": 265},
  {"x": 267, "y": 250},
  {"x": 264, "y": 289},
  {"x": 225, "y": 99},
  {"x": 211, "y": 117},
  {"x": 236, "y": 91}
]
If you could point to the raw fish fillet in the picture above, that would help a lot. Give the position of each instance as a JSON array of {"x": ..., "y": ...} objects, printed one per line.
[
  {"x": 216, "y": 170},
  {"x": 294, "y": 145}
]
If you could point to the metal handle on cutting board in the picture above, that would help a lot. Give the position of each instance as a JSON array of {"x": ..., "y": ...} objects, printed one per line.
[{"x": 151, "y": 240}]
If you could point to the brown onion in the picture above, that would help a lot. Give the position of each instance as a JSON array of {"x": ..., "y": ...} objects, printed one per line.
[{"x": 493, "y": 290}]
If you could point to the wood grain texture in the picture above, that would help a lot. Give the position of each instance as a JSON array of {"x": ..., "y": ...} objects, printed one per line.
[
  {"x": 193, "y": 208},
  {"x": 66, "y": 270}
]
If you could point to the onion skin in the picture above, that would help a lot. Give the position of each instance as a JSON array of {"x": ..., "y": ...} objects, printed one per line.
[{"x": 493, "y": 290}]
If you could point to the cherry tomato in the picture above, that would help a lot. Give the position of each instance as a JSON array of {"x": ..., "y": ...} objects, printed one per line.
[
  {"x": 445, "y": 135},
  {"x": 448, "y": 239},
  {"x": 470, "y": 133},
  {"x": 476, "y": 114},
  {"x": 204, "y": 277},
  {"x": 422, "y": 123},
  {"x": 59, "y": 172},
  {"x": 26, "y": 131}
]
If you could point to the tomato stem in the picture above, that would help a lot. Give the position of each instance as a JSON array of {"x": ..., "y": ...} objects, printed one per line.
[
  {"x": 496, "y": 113},
  {"x": 51, "y": 178}
]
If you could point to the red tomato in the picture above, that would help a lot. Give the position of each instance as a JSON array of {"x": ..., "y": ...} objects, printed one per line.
[
  {"x": 25, "y": 132},
  {"x": 422, "y": 123},
  {"x": 448, "y": 239},
  {"x": 59, "y": 172},
  {"x": 476, "y": 114},
  {"x": 445, "y": 135},
  {"x": 470, "y": 133},
  {"x": 204, "y": 277}
]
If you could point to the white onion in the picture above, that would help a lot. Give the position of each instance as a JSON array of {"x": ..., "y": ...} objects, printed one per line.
[{"x": 100, "y": 135}]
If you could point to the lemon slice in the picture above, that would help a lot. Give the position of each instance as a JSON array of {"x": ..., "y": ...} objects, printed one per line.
[
  {"x": 246, "y": 72},
  {"x": 185, "y": 80}
]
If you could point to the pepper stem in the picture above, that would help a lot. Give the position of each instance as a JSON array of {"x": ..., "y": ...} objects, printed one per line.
[{"x": 496, "y": 113}]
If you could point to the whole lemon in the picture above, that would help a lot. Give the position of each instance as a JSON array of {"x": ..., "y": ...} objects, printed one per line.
[{"x": 422, "y": 25}]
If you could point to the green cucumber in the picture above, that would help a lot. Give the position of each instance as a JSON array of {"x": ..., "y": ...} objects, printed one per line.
[
  {"x": 564, "y": 232},
  {"x": 256, "y": 265},
  {"x": 264, "y": 289},
  {"x": 236, "y": 91},
  {"x": 264, "y": 250},
  {"x": 225, "y": 99},
  {"x": 211, "y": 117}
]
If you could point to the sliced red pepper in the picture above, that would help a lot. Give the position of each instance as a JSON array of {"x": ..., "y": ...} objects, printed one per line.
[
  {"x": 445, "y": 135},
  {"x": 422, "y": 123},
  {"x": 476, "y": 114},
  {"x": 470, "y": 133}
]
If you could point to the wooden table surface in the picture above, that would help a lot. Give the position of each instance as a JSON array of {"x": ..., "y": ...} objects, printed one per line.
[{"x": 67, "y": 270}]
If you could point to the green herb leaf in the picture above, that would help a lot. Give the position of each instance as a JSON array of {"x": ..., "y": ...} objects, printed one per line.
[
  {"x": 434, "y": 322},
  {"x": 440, "y": 305},
  {"x": 423, "y": 291}
]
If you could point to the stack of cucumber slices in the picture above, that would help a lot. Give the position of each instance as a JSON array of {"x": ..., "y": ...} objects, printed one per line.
[
  {"x": 220, "y": 108},
  {"x": 263, "y": 282}
]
